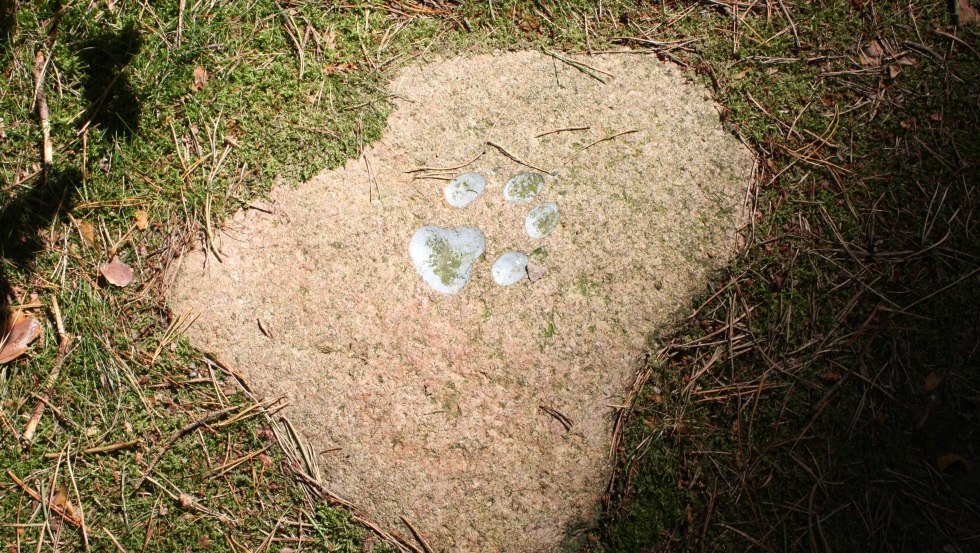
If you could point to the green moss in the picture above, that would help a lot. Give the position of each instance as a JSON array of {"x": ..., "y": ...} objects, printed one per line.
[
  {"x": 446, "y": 260},
  {"x": 523, "y": 187},
  {"x": 546, "y": 222}
]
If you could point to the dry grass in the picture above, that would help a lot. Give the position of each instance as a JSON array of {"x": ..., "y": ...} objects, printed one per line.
[{"x": 823, "y": 394}]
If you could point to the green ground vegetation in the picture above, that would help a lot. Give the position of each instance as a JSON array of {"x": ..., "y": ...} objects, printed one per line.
[{"x": 823, "y": 395}]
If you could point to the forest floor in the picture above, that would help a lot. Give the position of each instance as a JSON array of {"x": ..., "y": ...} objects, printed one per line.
[{"x": 823, "y": 395}]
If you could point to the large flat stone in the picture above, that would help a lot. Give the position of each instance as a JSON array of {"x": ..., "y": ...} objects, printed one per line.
[{"x": 429, "y": 405}]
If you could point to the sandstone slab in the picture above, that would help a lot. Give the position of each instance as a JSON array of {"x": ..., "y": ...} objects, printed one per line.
[{"x": 430, "y": 405}]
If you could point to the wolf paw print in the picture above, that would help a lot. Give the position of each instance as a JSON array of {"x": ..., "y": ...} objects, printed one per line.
[{"x": 445, "y": 258}]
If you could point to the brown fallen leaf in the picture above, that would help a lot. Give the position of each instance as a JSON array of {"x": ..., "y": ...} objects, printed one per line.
[
  {"x": 61, "y": 499},
  {"x": 87, "y": 231},
  {"x": 186, "y": 501},
  {"x": 931, "y": 382},
  {"x": 142, "y": 219},
  {"x": 535, "y": 272},
  {"x": 830, "y": 376},
  {"x": 951, "y": 460},
  {"x": 20, "y": 332},
  {"x": 117, "y": 273},
  {"x": 334, "y": 68},
  {"x": 200, "y": 78},
  {"x": 871, "y": 54},
  {"x": 966, "y": 13}
]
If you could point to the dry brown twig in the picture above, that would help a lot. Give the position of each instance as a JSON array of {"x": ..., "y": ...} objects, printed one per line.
[
  {"x": 516, "y": 159},
  {"x": 302, "y": 463},
  {"x": 64, "y": 342},
  {"x": 417, "y": 535},
  {"x": 43, "y": 113},
  {"x": 71, "y": 518},
  {"x": 206, "y": 419},
  {"x": 601, "y": 140}
]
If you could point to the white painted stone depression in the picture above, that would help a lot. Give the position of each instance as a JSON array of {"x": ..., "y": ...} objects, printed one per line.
[{"x": 428, "y": 403}]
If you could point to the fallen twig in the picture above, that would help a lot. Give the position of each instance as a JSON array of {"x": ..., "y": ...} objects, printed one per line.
[
  {"x": 515, "y": 159},
  {"x": 558, "y": 416},
  {"x": 446, "y": 169},
  {"x": 566, "y": 129},
  {"x": 210, "y": 417},
  {"x": 43, "y": 114},
  {"x": 108, "y": 448},
  {"x": 573, "y": 156},
  {"x": 72, "y": 519},
  {"x": 64, "y": 341},
  {"x": 417, "y": 535}
]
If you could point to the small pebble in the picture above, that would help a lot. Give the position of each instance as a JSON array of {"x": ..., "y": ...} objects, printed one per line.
[
  {"x": 541, "y": 220},
  {"x": 509, "y": 268},
  {"x": 464, "y": 189},
  {"x": 444, "y": 258},
  {"x": 523, "y": 187}
]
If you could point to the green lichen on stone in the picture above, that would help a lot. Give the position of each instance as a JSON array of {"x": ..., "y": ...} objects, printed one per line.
[
  {"x": 523, "y": 187},
  {"x": 547, "y": 222},
  {"x": 541, "y": 220},
  {"x": 445, "y": 260}
]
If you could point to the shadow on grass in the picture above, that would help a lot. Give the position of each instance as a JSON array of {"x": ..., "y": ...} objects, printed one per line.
[
  {"x": 24, "y": 218},
  {"x": 826, "y": 396},
  {"x": 8, "y": 22},
  {"x": 113, "y": 104}
]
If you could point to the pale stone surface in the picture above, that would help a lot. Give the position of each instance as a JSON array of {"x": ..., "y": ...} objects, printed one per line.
[
  {"x": 428, "y": 405},
  {"x": 523, "y": 187},
  {"x": 464, "y": 189},
  {"x": 509, "y": 268},
  {"x": 541, "y": 220},
  {"x": 444, "y": 258}
]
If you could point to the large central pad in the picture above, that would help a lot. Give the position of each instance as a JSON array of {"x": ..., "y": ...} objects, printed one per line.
[{"x": 482, "y": 415}]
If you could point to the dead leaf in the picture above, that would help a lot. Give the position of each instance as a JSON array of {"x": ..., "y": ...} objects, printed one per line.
[
  {"x": 536, "y": 272},
  {"x": 200, "y": 78},
  {"x": 334, "y": 68},
  {"x": 61, "y": 506},
  {"x": 740, "y": 75},
  {"x": 932, "y": 382},
  {"x": 893, "y": 71},
  {"x": 117, "y": 273},
  {"x": 20, "y": 332},
  {"x": 830, "y": 376},
  {"x": 951, "y": 460},
  {"x": 61, "y": 501},
  {"x": 330, "y": 38},
  {"x": 186, "y": 501},
  {"x": 871, "y": 54},
  {"x": 87, "y": 231},
  {"x": 965, "y": 13},
  {"x": 142, "y": 219}
]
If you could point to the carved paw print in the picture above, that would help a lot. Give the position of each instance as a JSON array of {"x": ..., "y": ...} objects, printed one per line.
[{"x": 445, "y": 258}]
